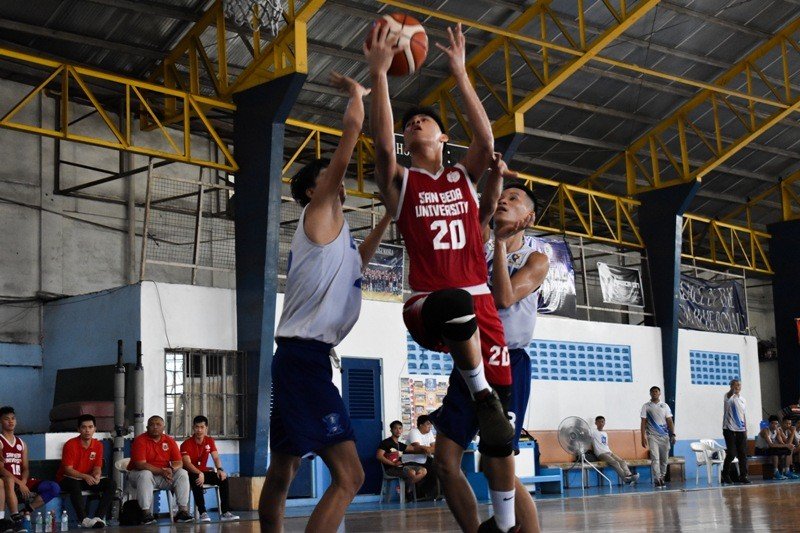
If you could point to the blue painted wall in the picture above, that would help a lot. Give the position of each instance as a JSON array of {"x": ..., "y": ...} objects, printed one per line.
[{"x": 78, "y": 331}]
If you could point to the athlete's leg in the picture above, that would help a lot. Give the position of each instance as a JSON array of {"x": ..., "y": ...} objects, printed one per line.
[
  {"x": 272, "y": 503},
  {"x": 499, "y": 472},
  {"x": 347, "y": 476},
  {"x": 11, "y": 495},
  {"x": 457, "y": 491},
  {"x": 525, "y": 509}
]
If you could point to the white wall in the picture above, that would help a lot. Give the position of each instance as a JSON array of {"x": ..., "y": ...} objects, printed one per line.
[
  {"x": 620, "y": 403},
  {"x": 699, "y": 407},
  {"x": 175, "y": 316}
]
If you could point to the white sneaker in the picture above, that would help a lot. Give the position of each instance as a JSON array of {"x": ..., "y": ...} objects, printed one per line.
[
  {"x": 99, "y": 523},
  {"x": 87, "y": 523},
  {"x": 228, "y": 517},
  {"x": 204, "y": 517}
]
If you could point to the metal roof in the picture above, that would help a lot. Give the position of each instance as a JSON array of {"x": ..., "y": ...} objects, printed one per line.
[{"x": 589, "y": 118}]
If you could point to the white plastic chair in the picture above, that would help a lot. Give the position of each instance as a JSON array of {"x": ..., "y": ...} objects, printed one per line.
[
  {"x": 704, "y": 451},
  {"x": 122, "y": 467}
]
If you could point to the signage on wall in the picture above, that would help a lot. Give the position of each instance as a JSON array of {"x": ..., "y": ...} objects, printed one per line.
[
  {"x": 712, "y": 305},
  {"x": 383, "y": 276},
  {"x": 620, "y": 285}
]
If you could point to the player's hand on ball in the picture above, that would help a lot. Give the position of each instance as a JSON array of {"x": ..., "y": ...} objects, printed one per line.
[
  {"x": 348, "y": 85},
  {"x": 381, "y": 50},
  {"x": 456, "y": 52}
]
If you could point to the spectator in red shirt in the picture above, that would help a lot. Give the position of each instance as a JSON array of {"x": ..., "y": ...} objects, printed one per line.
[
  {"x": 156, "y": 464},
  {"x": 195, "y": 451},
  {"x": 81, "y": 469}
]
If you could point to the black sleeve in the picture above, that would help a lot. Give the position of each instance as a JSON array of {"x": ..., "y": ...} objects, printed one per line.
[
  {"x": 401, "y": 446},
  {"x": 386, "y": 445}
]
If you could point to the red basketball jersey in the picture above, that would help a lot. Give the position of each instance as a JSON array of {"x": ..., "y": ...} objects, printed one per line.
[
  {"x": 12, "y": 456},
  {"x": 438, "y": 218}
]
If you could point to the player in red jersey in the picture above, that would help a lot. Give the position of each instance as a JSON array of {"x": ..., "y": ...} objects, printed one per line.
[
  {"x": 19, "y": 486},
  {"x": 436, "y": 209}
]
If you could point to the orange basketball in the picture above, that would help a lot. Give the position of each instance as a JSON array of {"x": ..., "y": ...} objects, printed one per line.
[{"x": 412, "y": 44}]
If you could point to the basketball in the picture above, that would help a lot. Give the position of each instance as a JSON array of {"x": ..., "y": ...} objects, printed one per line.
[{"x": 412, "y": 44}]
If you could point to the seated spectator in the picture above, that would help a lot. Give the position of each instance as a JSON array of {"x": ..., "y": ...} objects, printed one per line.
[
  {"x": 156, "y": 464},
  {"x": 420, "y": 446},
  {"x": 390, "y": 456},
  {"x": 790, "y": 437},
  {"x": 796, "y": 454},
  {"x": 770, "y": 441},
  {"x": 81, "y": 469},
  {"x": 19, "y": 487},
  {"x": 195, "y": 452},
  {"x": 604, "y": 453}
]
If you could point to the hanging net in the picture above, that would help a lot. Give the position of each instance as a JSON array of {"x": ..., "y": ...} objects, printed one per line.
[{"x": 258, "y": 14}]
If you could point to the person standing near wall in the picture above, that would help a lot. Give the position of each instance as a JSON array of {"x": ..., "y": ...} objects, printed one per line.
[
  {"x": 658, "y": 433},
  {"x": 320, "y": 307},
  {"x": 734, "y": 429}
]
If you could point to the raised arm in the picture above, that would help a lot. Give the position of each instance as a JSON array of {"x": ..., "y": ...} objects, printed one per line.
[
  {"x": 367, "y": 248},
  {"x": 388, "y": 174},
  {"x": 508, "y": 290},
  {"x": 492, "y": 190},
  {"x": 479, "y": 153},
  {"x": 324, "y": 217}
]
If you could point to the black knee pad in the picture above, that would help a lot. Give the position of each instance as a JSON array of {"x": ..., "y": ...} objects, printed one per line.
[{"x": 451, "y": 313}]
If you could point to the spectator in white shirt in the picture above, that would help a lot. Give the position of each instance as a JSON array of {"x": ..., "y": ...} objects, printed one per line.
[
  {"x": 658, "y": 433},
  {"x": 734, "y": 429},
  {"x": 421, "y": 444},
  {"x": 604, "y": 453}
]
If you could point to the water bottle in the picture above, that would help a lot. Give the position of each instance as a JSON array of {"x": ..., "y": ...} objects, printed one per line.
[
  {"x": 48, "y": 522},
  {"x": 64, "y": 521},
  {"x": 26, "y": 521},
  {"x": 39, "y": 525}
]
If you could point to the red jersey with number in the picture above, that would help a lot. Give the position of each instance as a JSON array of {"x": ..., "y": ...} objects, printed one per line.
[
  {"x": 198, "y": 453},
  {"x": 12, "y": 455},
  {"x": 438, "y": 218}
]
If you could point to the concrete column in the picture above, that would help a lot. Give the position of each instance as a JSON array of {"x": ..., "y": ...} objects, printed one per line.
[
  {"x": 784, "y": 254},
  {"x": 660, "y": 224},
  {"x": 259, "y": 124}
]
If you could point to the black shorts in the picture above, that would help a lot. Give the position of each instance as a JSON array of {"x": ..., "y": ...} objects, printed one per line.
[{"x": 772, "y": 451}]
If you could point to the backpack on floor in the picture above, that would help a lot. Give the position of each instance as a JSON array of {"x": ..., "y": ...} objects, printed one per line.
[{"x": 130, "y": 514}]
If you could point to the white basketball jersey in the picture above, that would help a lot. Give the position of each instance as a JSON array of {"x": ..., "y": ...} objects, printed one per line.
[
  {"x": 323, "y": 288},
  {"x": 518, "y": 320},
  {"x": 735, "y": 410}
]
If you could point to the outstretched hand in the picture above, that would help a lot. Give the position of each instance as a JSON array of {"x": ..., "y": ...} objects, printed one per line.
[
  {"x": 381, "y": 49},
  {"x": 510, "y": 231},
  {"x": 456, "y": 52},
  {"x": 348, "y": 85},
  {"x": 499, "y": 168}
]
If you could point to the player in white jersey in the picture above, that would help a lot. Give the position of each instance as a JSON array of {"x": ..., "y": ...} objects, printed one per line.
[
  {"x": 734, "y": 429},
  {"x": 658, "y": 433},
  {"x": 321, "y": 305}
]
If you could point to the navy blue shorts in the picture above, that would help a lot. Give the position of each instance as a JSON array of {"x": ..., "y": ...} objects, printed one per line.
[
  {"x": 308, "y": 413},
  {"x": 456, "y": 417}
]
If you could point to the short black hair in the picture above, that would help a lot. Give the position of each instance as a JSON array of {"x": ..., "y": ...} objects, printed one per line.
[
  {"x": 7, "y": 410},
  {"x": 306, "y": 178},
  {"x": 599, "y": 417},
  {"x": 423, "y": 110},
  {"x": 774, "y": 418},
  {"x": 656, "y": 387},
  {"x": 523, "y": 186},
  {"x": 154, "y": 417},
  {"x": 395, "y": 423},
  {"x": 86, "y": 418},
  {"x": 200, "y": 419},
  {"x": 422, "y": 419}
]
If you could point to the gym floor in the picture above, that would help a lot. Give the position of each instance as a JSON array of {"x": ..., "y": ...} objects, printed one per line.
[{"x": 762, "y": 506}]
